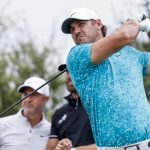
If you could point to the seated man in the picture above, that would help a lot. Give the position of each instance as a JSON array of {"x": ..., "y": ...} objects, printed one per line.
[
  {"x": 70, "y": 123},
  {"x": 28, "y": 129}
]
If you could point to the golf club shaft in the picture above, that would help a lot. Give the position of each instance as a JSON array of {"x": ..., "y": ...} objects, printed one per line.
[{"x": 19, "y": 101}]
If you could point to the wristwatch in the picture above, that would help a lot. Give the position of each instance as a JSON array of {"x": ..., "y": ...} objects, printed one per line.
[{"x": 72, "y": 149}]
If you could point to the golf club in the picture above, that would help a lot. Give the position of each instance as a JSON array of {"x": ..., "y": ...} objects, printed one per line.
[{"x": 19, "y": 101}]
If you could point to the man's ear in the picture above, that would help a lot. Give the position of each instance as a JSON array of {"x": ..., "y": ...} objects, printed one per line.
[
  {"x": 99, "y": 23},
  {"x": 46, "y": 99}
]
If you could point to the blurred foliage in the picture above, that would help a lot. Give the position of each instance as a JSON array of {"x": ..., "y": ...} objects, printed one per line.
[
  {"x": 21, "y": 63},
  {"x": 20, "y": 58}
]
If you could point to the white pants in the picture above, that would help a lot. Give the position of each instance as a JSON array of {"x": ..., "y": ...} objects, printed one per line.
[{"x": 144, "y": 145}]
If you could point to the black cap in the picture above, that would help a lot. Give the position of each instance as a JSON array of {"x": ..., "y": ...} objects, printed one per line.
[{"x": 62, "y": 67}]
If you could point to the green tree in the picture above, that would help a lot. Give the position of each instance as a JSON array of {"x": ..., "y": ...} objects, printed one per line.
[
  {"x": 21, "y": 63},
  {"x": 20, "y": 58}
]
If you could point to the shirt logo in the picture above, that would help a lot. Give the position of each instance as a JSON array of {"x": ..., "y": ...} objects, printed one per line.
[
  {"x": 62, "y": 119},
  {"x": 42, "y": 136}
]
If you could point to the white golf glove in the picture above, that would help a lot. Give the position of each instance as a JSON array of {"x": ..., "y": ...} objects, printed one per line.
[
  {"x": 139, "y": 17},
  {"x": 144, "y": 22},
  {"x": 145, "y": 25}
]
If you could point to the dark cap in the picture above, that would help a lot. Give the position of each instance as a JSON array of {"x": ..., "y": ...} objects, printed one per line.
[{"x": 62, "y": 67}]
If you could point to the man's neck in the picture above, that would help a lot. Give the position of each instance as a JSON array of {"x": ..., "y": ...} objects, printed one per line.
[
  {"x": 75, "y": 95},
  {"x": 33, "y": 119}
]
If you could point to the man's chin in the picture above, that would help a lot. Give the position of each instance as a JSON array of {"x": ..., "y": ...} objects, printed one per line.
[
  {"x": 81, "y": 42},
  {"x": 28, "y": 110},
  {"x": 73, "y": 91}
]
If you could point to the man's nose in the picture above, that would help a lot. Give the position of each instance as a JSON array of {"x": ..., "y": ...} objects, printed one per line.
[
  {"x": 77, "y": 30},
  {"x": 28, "y": 99}
]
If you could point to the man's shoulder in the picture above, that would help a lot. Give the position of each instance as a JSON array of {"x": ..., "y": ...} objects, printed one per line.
[
  {"x": 8, "y": 119},
  {"x": 81, "y": 46},
  {"x": 47, "y": 124},
  {"x": 129, "y": 48},
  {"x": 61, "y": 109}
]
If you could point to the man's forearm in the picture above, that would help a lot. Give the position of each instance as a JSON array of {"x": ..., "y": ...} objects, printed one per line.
[
  {"x": 86, "y": 147},
  {"x": 107, "y": 46}
]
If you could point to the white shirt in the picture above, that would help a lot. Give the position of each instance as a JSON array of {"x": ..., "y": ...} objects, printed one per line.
[{"x": 16, "y": 133}]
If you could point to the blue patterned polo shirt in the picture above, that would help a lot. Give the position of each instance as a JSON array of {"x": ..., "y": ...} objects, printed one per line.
[{"x": 113, "y": 94}]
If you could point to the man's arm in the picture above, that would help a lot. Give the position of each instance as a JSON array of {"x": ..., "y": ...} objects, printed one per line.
[
  {"x": 109, "y": 45},
  {"x": 52, "y": 143},
  {"x": 65, "y": 144},
  {"x": 86, "y": 147}
]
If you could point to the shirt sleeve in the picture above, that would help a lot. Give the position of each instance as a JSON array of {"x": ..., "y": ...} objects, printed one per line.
[
  {"x": 79, "y": 61},
  {"x": 144, "y": 60},
  {"x": 53, "y": 133}
]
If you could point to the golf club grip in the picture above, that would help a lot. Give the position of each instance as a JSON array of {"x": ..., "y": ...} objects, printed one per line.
[{"x": 143, "y": 17}]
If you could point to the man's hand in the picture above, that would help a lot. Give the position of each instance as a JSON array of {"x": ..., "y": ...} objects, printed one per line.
[
  {"x": 64, "y": 144},
  {"x": 140, "y": 17},
  {"x": 143, "y": 21}
]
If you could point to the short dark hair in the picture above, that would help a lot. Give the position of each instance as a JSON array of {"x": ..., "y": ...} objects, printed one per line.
[{"x": 103, "y": 28}]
